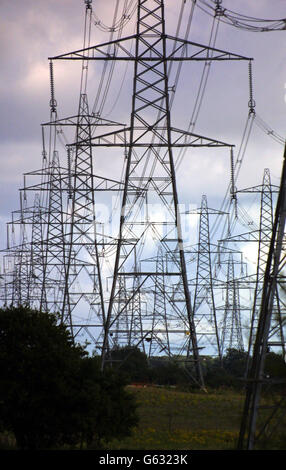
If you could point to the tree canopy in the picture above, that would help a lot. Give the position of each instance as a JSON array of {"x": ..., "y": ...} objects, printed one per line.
[
  {"x": 131, "y": 361},
  {"x": 51, "y": 392}
]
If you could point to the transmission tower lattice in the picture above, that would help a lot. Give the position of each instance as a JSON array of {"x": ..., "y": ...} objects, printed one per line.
[
  {"x": 204, "y": 283},
  {"x": 63, "y": 271},
  {"x": 231, "y": 331},
  {"x": 270, "y": 332},
  {"x": 150, "y": 178}
]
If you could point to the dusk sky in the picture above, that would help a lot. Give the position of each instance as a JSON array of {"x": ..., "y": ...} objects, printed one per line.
[{"x": 33, "y": 30}]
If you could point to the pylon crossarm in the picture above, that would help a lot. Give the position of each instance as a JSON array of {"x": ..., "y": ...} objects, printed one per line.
[
  {"x": 181, "y": 52},
  {"x": 179, "y": 138}
]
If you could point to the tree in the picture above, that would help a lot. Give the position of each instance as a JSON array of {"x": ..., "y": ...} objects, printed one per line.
[
  {"x": 51, "y": 392},
  {"x": 168, "y": 372},
  {"x": 275, "y": 365},
  {"x": 109, "y": 409},
  {"x": 131, "y": 361},
  {"x": 234, "y": 362},
  {"x": 215, "y": 375}
]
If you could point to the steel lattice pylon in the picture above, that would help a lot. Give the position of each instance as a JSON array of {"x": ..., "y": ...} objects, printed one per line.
[
  {"x": 204, "y": 284},
  {"x": 159, "y": 338},
  {"x": 82, "y": 254},
  {"x": 231, "y": 332},
  {"x": 54, "y": 239},
  {"x": 150, "y": 178},
  {"x": 36, "y": 264},
  {"x": 259, "y": 236},
  {"x": 17, "y": 258},
  {"x": 264, "y": 238},
  {"x": 72, "y": 250},
  {"x": 56, "y": 263},
  {"x": 150, "y": 111},
  {"x": 269, "y": 324}
]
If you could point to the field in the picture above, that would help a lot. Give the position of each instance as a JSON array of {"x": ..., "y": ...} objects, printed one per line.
[
  {"x": 175, "y": 420},
  {"x": 172, "y": 419}
]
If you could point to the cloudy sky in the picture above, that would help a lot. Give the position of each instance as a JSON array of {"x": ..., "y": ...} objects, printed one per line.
[{"x": 33, "y": 30}]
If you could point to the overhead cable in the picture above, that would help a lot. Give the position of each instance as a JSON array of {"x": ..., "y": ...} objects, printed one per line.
[{"x": 238, "y": 20}]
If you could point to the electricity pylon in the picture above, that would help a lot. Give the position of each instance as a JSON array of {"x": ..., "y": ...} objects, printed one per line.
[
  {"x": 264, "y": 238},
  {"x": 150, "y": 141},
  {"x": 260, "y": 235},
  {"x": 54, "y": 238},
  {"x": 254, "y": 424},
  {"x": 231, "y": 331},
  {"x": 204, "y": 306},
  {"x": 159, "y": 338},
  {"x": 36, "y": 262},
  {"x": 82, "y": 254},
  {"x": 17, "y": 258}
]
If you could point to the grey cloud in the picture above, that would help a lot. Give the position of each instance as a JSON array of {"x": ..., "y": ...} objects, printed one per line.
[{"x": 34, "y": 30}]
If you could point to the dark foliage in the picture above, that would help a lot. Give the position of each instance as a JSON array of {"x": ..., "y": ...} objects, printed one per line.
[
  {"x": 51, "y": 393},
  {"x": 275, "y": 365},
  {"x": 131, "y": 361},
  {"x": 216, "y": 376},
  {"x": 234, "y": 362},
  {"x": 228, "y": 373},
  {"x": 168, "y": 372}
]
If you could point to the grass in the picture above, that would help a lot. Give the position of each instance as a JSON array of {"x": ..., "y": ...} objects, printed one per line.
[{"x": 171, "y": 419}]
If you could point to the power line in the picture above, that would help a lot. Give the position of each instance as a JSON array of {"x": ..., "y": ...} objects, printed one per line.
[{"x": 238, "y": 20}]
